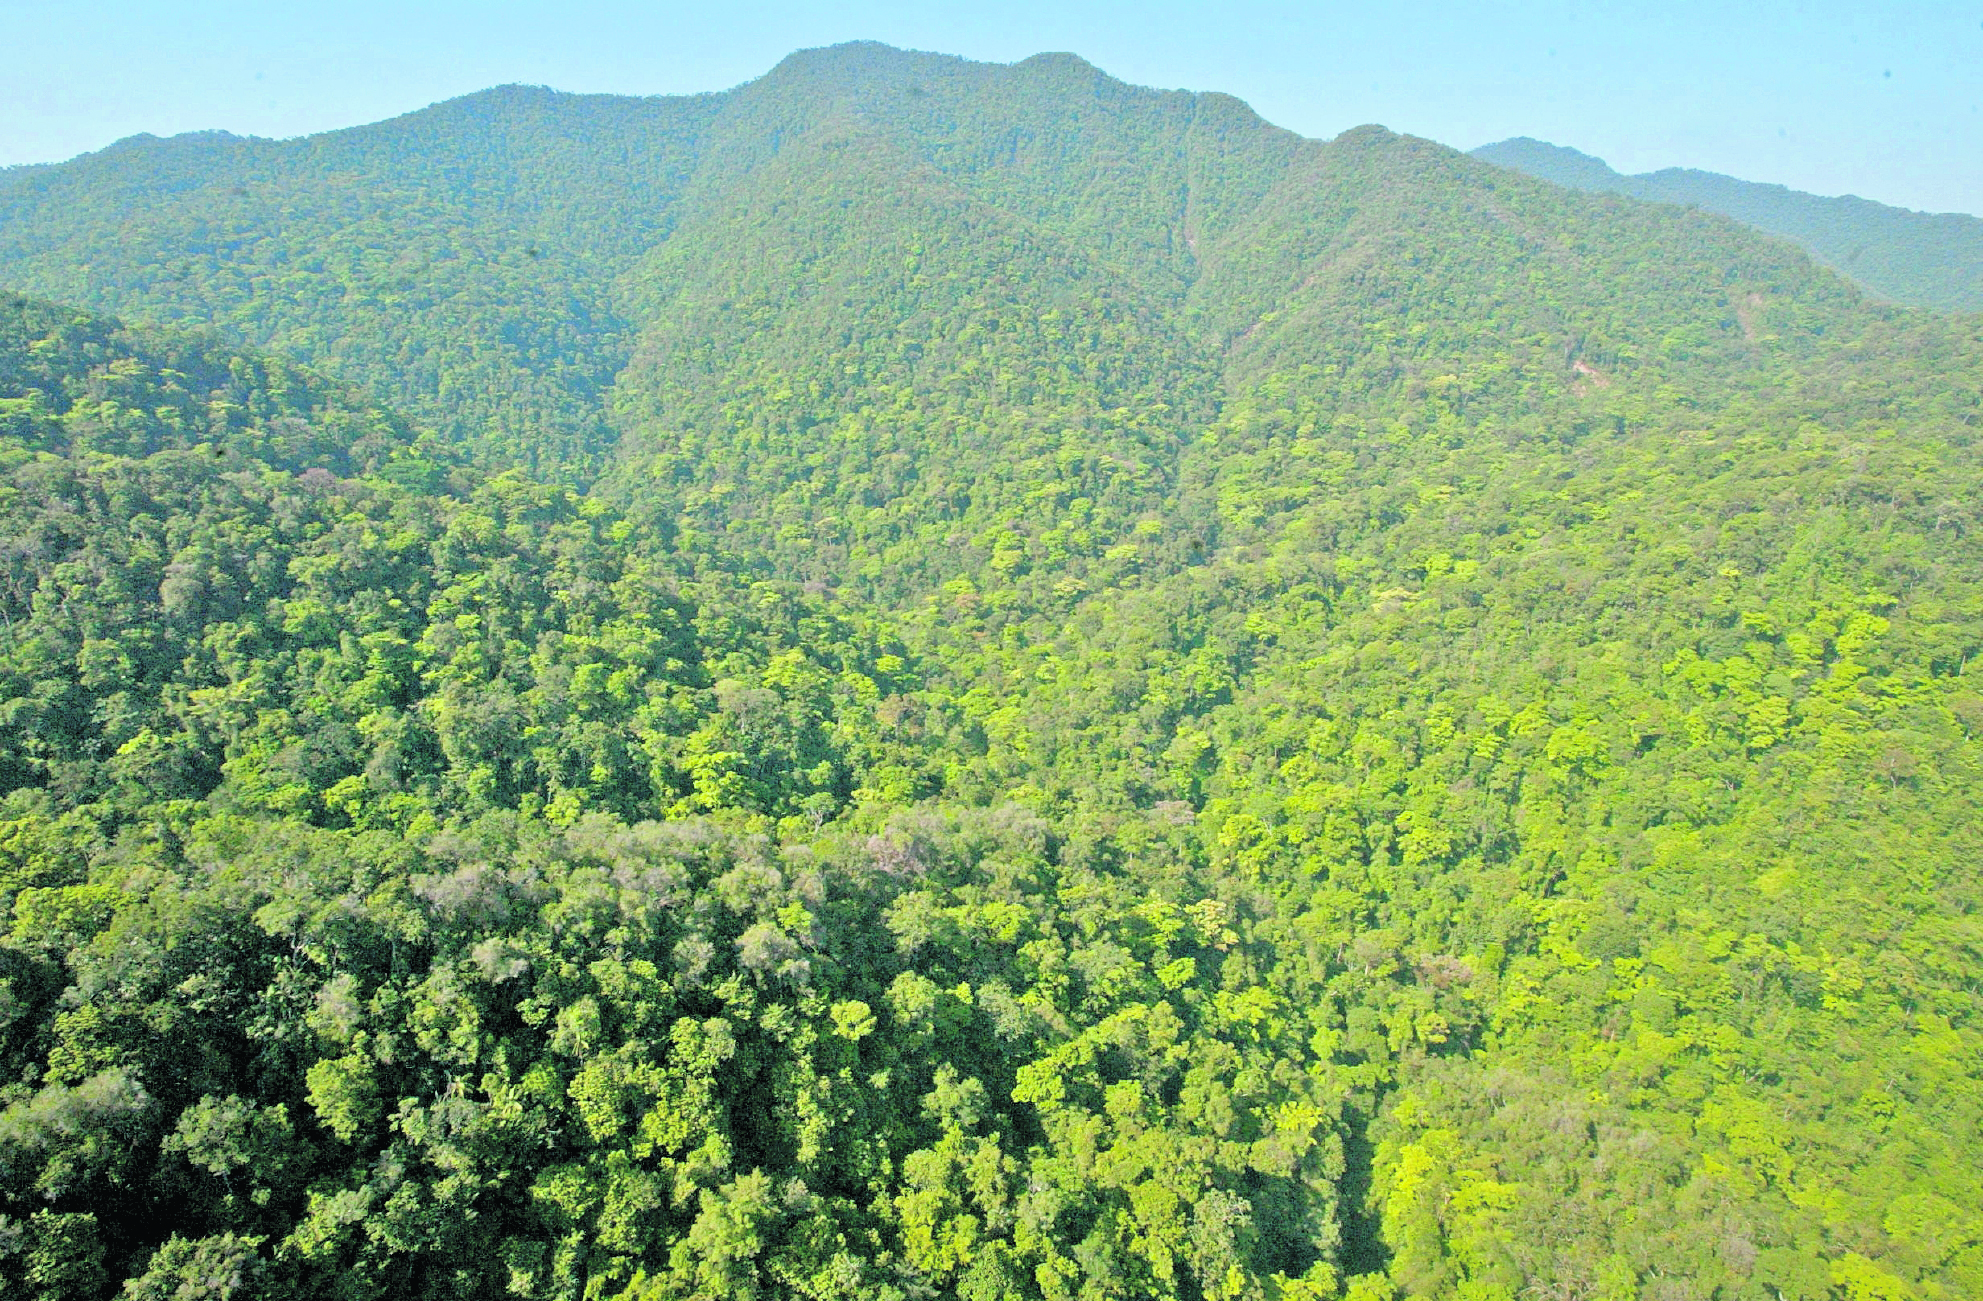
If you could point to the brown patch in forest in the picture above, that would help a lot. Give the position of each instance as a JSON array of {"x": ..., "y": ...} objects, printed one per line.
[{"x": 1745, "y": 315}]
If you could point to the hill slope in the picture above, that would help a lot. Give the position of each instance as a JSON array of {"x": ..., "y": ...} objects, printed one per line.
[
  {"x": 1136, "y": 706},
  {"x": 1922, "y": 259},
  {"x": 479, "y": 261}
]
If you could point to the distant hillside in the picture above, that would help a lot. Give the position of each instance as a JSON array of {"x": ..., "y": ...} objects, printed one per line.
[{"x": 1917, "y": 259}]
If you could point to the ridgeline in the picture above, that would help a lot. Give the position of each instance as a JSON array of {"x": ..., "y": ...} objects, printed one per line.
[{"x": 1917, "y": 259}]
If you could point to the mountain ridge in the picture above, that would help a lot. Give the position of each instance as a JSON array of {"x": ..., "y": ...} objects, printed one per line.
[
  {"x": 1922, "y": 259},
  {"x": 617, "y": 185}
]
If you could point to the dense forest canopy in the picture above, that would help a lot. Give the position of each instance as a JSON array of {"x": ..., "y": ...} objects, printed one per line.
[
  {"x": 927, "y": 680},
  {"x": 1919, "y": 259}
]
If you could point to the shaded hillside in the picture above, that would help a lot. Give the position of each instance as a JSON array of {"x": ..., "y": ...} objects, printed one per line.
[{"x": 1921, "y": 259}]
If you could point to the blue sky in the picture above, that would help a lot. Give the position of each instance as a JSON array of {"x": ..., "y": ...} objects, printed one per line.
[{"x": 1877, "y": 99}]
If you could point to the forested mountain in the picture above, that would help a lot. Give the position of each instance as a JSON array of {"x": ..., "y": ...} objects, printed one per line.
[
  {"x": 926, "y": 679},
  {"x": 1920, "y": 259}
]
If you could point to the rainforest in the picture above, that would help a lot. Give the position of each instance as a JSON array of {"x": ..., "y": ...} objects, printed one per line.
[{"x": 929, "y": 679}]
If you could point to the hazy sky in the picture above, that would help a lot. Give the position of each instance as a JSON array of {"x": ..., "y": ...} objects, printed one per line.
[{"x": 1878, "y": 99}]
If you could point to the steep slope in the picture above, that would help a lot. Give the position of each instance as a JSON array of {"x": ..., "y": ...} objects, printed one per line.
[
  {"x": 1922, "y": 259},
  {"x": 860, "y": 367},
  {"x": 459, "y": 260},
  {"x": 856, "y": 366},
  {"x": 1502, "y": 646}
]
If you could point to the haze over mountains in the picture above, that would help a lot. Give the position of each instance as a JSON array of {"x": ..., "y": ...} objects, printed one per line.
[
  {"x": 929, "y": 679},
  {"x": 1921, "y": 259}
]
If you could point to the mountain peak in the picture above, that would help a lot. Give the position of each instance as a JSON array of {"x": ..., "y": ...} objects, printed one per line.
[
  {"x": 1058, "y": 61},
  {"x": 1551, "y": 162},
  {"x": 859, "y": 59},
  {"x": 1369, "y": 133},
  {"x": 184, "y": 139}
]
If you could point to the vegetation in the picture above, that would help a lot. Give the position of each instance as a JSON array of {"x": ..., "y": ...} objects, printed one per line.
[
  {"x": 1080, "y": 698},
  {"x": 1921, "y": 259}
]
